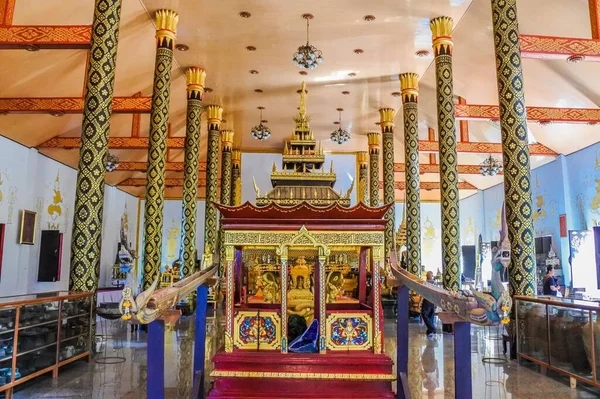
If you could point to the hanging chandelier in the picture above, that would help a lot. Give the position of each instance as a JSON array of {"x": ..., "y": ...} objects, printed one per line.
[
  {"x": 490, "y": 166},
  {"x": 260, "y": 131},
  {"x": 340, "y": 136},
  {"x": 112, "y": 162},
  {"x": 307, "y": 56}
]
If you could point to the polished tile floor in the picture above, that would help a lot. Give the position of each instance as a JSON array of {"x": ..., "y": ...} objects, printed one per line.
[{"x": 431, "y": 368}]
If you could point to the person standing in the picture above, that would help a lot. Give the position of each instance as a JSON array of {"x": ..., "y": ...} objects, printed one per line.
[
  {"x": 428, "y": 311},
  {"x": 550, "y": 282}
]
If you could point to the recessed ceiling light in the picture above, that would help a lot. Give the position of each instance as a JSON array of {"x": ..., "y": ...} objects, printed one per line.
[
  {"x": 57, "y": 113},
  {"x": 260, "y": 107},
  {"x": 339, "y": 109},
  {"x": 258, "y": 91},
  {"x": 308, "y": 16},
  {"x": 369, "y": 18},
  {"x": 264, "y": 121},
  {"x": 545, "y": 123},
  {"x": 245, "y": 14},
  {"x": 358, "y": 51},
  {"x": 254, "y": 72},
  {"x": 208, "y": 90},
  {"x": 303, "y": 73},
  {"x": 250, "y": 48},
  {"x": 300, "y": 91},
  {"x": 32, "y": 47},
  {"x": 223, "y": 120},
  {"x": 422, "y": 53},
  {"x": 352, "y": 74},
  {"x": 396, "y": 94},
  {"x": 336, "y": 122},
  {"x": 345, "y": 92},
  {"x": 575, "y": 59},
  {"x": 182, "y": 47}
]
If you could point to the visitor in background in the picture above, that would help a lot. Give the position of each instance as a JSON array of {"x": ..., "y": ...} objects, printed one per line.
[
  {"x": 550, "y": 283},
  {"x": 428, "y": 311}
]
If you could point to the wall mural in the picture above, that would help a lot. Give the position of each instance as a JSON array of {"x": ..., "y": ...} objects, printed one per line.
[
  {"x": 173, "y": 238},
  {"x": 8, "y": 197}
]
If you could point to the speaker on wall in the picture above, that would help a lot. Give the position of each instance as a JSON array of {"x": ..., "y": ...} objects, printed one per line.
[{"x": 50, "y": 255}]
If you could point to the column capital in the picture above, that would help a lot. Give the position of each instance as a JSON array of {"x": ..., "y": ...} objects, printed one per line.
[
  {"x": 373, "y": 142},
  {"x": 409, "y": 84},
  {"x": 363, "y": 159},
  {"x": 236, "y": 158},
  {"x": 166, "y": 28},
  {"x": 194, "y": 79},
  {"x": 227, "y": 140},
  {"x": 441, "y": 33},
  {"x": 214, "y": 113},
  {"x": 386, "y": 118}
]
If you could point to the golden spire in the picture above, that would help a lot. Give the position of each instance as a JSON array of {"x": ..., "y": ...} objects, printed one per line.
[
  {"x": 409, "y": 84},
  {"x": 441, "y": 33},
  {"x": 274, "y": 167},
  {"x": 302, "y": 119},
  {"x": 256, "y": 190}
]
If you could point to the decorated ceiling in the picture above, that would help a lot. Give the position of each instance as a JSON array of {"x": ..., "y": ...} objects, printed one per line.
[{"x": 365, "y": 46}]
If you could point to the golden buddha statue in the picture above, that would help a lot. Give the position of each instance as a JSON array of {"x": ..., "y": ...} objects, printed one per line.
[{"x": 301, "y": 299}]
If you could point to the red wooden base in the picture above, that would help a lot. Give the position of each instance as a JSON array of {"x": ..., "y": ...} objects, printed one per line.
[{"x": 242, "y": 374}]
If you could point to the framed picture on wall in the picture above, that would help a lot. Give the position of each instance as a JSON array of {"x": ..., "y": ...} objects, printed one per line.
[{"x": 27, "y": 232}]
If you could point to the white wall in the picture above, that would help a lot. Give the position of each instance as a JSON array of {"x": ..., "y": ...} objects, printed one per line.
[{"x": 34, "y": 182}]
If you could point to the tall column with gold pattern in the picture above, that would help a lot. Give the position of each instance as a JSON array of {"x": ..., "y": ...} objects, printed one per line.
[
  {"x": 515, "y": 150},
  {"x": 226, "y": 172},
  {"x": 386, "y": 119},
  {"x": 195, "y": 89},
  {"x": 373, "y": 168},
  {"x": 363, "y": 176},
  {"x": 378, "y": 263},
  {"x": 441, "y": 28},
  {"x": 322, "y": 303},
  {"x": 166, "y": 25},
  {"x": 97, "y": 110},
  {"x": 214, "y": 114},
  {"x": 229, "y": 292},
  {"x": 284, "y": 284},
  {"x": 236, "y": 177},
  {"x": 409, "y": 83}
]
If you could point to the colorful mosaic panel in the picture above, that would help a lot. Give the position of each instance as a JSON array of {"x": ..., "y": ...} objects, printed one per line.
[
  {"x": 257, "y": 330},
  {"x": 349, "y": 331}
]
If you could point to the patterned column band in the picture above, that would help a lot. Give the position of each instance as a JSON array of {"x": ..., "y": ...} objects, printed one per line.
[
  {"x": 97, "y": 109},
  {"x": 363, "y": 176},
  {"x": 226, "y": 172},
  {"x": 441, "y": 29},
  {"x": 373, "y": 168},
  {"x": 386, "y": 118},
  {"x": 515, "y": 152},
  {"x": 409, "y": 84},
  {"x": 166, "y": 25},
  {"x": 195, "y": 89},
  {"x": 214, "y": 114},
  {"x": 236, "y": 177}
]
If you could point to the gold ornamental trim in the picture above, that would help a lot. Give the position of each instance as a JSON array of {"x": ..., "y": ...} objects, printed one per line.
[
  {"x": 301, "y": 176},
  {"x": 362, "y": 157},
  {"x": 330, "y": 238},
  {"x": 386, "y": 117},
  {"x": 194, "y": 79},
  {"x": 166, "y": 25},
  {"x": 441, "y": 33},
  {"x": 409, "y": 84},
  {"x": 303, "y": 158},
  {"x": 214, "y": 114},
  {"x": 236, "y": 158},
  {"x": 373, "y": 138},
  {"x": 227, "y": 140},
  {"x": 304, "y": 376}
]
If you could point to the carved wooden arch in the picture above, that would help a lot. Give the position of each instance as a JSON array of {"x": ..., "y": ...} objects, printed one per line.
[{"x": 303, "y": 238}]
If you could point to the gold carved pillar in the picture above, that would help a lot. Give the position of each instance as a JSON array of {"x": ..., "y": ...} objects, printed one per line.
[
  {"x": 373, "y": 168},
  {"x": 97, "y": 110},
  {"x": 284, "y": 284},
  {"x": 441, "y": 29},
  {"x": 322, "y": 303},
  {"x": 195, "y": 90},
  {"x": 515, "y": 150},
  {"x": 378, "y": 263},
  {"x": 386, "y": 118},
  {"x": 409, "y": 83},
  {"x": 363, "y": 176},
  {"x": 226, "y": 171},
  {"x": 236, "y": 178},
  {"x": 229, "y": 292},
  {"x": 166, "y": 25},
  {"x": 214, "y": 114}
]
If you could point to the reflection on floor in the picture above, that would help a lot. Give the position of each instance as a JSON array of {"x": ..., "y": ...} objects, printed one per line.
[{"x": 430, "y": 364}]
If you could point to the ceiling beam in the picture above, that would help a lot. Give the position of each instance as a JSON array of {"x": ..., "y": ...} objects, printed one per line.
[
  {"x": 7, "y": 11},
  {"x": 594, "y": 6},
  {"x": 537, "y": 114},
  {"x": 70, "y": 105},
  {"x": 484, "y": 148},
  {"x": 45, "y": 37},
  {"x": 559, "y": 48},
  {"x": 142, "y": 166}
]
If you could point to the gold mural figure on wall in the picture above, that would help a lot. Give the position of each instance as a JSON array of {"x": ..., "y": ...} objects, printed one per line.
[
  {"x": 55, "y": 209},
  {"x": 595, "y": 206},
  {"x": 172, "y": 237},
  {"x": 470, "y": 232},
  {"x": 428, "y": 237},
  {"x": 540, "y": 212}
]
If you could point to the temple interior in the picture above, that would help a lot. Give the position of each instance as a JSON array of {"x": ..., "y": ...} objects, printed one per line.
[{"x": 341, "y": 199}]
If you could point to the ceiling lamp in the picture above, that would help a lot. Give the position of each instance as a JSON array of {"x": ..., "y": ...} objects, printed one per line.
[
  {"x": 112, "y": 162},
  {"x": 490, "y": 167},
  {"x": 340, "y": 136},
  {"x": 260, "y": 131},
  {"x": 307, "y": 57}
]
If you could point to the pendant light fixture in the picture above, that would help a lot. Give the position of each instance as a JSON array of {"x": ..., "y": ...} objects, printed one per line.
[
  {"x": 307, "y": 56},
  {"x": 340, "y": 136},
  {"x": 260, "y": 131}
]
